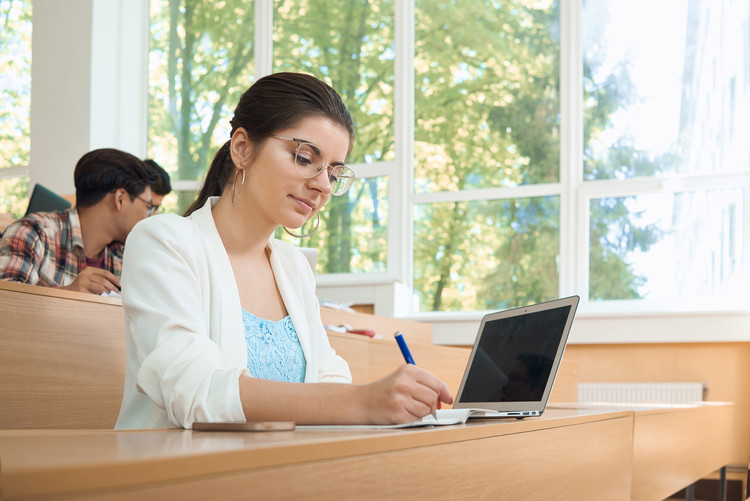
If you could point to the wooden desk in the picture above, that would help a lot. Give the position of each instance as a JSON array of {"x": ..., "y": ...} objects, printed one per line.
[
  {"x": 563, "y": 455},
  {"x": 674, "y": 446},
  {"x": 62, "y": 358}
]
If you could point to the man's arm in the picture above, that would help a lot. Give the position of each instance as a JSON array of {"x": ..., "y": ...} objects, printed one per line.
[{"x": 20, "y": 253}]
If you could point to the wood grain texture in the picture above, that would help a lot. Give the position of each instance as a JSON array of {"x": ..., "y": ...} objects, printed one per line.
[
  {"x": 698, "y": 442},
  {"x": 723, "y": 367},
  {"x": 560, "y": 456},
  {"x": 62, "y": 358}
]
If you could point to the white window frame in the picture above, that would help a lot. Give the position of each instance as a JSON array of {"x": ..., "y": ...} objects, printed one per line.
[{"x": 390, "y": 291}]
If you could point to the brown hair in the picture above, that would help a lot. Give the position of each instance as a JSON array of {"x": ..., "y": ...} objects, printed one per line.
[
  {"x": 101, "y": 171},
  {"x": 272, "y": 103},
  {"x": 162, "y": 185}
]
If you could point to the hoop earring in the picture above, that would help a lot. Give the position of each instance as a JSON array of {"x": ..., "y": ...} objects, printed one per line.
[
  {"x": 317, "y": 223},
  {"x": 239, "y": 194}
]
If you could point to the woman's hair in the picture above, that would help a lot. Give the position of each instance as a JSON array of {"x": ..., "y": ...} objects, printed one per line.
[{"x": 272, "y": 103}]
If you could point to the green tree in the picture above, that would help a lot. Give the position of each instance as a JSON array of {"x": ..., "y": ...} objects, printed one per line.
[
  {"x": 488, "y": 103},
  {"x": 15, "y": 101},
  {"x": 348, "y": 44},
  {"x": 201, "y": 62},
  {"x": 487, "y": 115}
]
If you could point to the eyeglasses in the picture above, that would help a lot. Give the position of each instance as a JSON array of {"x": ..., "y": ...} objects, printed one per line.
[
  {"x": 152, "y": 209},
  {"x": 308, "y": 164}
]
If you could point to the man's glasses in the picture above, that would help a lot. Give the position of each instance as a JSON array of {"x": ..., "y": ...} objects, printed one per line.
[
  {"x": 308, "y": 163},
  {"x": 152, "y": 209}
]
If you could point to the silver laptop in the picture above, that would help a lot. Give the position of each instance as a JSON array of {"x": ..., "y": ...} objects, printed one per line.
[{"x": 514, "y": 361}]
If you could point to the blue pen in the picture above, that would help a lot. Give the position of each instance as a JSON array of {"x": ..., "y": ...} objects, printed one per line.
[
  {"x": 404, "y": 349},
  {"x": 407, "y": 356}
]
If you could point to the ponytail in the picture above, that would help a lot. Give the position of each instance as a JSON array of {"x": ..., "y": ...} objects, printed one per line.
[{"x": 216, "y": 178}]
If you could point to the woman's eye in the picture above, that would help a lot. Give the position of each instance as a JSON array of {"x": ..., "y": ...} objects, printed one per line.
[
  {"x": 305, "y": 155},
  {"x": 303, "y": 160}
]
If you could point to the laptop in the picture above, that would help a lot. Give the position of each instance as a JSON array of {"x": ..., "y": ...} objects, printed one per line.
[
  {"x": 44, "y": 200},
  {"x": 513, "y": 363}
]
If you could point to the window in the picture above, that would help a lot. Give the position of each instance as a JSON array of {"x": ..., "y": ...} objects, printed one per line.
[
  {"x": 504, "y": 186},
  {"x": 200, "y": 62},
  {"x": 15, "y": 104},
  {"x": 349, "y": 45},
  {"x": 486, "y": 203},
  {"x": 663, "y": 146}
]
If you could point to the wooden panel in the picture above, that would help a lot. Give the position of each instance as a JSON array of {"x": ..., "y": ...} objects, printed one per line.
[
  {"x": 62, "y": 358},
  {"x": 723, "y": 367},
  {"x": 699, "y": 441},
  {"x": 565, "y": 388}
]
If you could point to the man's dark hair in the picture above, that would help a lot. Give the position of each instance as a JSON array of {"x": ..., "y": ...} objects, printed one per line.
[
  {"x": 162, "y": 186},
  {"x": 102, "y": 171}
]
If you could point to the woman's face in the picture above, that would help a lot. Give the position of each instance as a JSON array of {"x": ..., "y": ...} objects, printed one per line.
[{"x": 278, "y": 190}]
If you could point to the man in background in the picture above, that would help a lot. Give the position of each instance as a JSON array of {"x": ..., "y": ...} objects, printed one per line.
[{"x": 81, "y": 248}]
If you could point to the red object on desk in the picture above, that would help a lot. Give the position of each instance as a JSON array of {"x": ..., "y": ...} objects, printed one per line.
[{"x": 364, "y": 332}]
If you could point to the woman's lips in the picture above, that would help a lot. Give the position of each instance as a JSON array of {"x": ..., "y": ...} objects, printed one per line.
[{"x": 305, "y": 204}]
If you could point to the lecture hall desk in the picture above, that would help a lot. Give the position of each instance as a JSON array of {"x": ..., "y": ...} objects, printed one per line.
[
  {"x": 674, "y": 445},
  {"x": 567, "y": 454}
]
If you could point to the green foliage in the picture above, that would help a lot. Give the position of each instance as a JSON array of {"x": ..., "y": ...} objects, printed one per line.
[
  {"x": 200, "y": 63},
  {"x": 487, "y": 114},
  {"x": 15, "y": 101},
  {"x": 348, "y": 44}
]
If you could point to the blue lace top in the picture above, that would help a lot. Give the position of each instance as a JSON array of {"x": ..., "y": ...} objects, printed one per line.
[{"x": 273, "y": 349}]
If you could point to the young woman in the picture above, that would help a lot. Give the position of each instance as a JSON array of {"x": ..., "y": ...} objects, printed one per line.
[{"x": 222, "y": 319}]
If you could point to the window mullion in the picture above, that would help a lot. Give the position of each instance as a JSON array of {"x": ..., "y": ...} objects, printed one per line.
[
  {"x": 573, "y": 221},
  {"x": 400, "y": 193},
  {"x": 263, "y": 38}
]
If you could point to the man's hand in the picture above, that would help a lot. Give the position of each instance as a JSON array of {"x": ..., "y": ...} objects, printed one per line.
[{"x": 95, "y": 281}]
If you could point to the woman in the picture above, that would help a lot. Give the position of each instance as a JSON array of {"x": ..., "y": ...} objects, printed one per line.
[{"x": 222, "y": 319}]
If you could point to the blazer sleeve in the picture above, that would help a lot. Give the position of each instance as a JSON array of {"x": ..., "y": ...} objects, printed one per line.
[{"x": 165, "y": 286}]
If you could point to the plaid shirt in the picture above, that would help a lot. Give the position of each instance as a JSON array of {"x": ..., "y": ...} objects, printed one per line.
[{"x": 46, "y": 248}]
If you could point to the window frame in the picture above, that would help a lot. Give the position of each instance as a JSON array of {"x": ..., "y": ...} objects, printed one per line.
[{"x": 573, "y": 191}]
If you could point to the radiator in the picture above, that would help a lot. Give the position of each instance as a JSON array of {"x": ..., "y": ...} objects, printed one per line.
[{"x": 667, "y": 393}]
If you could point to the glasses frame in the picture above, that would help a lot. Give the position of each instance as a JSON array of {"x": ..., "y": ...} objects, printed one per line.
[
  {"x": 151, "y": 207},
  {"x": 347, "y": 175}
]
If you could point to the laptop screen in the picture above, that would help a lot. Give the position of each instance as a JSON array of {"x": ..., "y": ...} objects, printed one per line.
[{"x": 516, "y": 356}]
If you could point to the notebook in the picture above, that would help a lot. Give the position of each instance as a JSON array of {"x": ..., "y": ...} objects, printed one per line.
[{"x": 513, "y": 363}]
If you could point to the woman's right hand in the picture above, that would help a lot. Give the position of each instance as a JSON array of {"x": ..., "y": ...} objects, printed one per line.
[{"x": 407, "y": 394}]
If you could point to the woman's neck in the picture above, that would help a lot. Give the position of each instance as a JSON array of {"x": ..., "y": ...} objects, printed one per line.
[{"x": 240, "y": 228}]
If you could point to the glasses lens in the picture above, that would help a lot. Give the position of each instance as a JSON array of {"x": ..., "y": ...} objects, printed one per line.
[
  {"x": 309, "y": 164},
  {"x": 343, "y": 181},
  {"x": 306, "y": 161}
]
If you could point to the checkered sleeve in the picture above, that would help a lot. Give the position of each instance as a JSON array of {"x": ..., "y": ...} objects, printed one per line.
[{"x": 21, "y": 250}]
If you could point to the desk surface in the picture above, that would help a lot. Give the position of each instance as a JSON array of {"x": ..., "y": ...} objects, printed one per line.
[{"x": 506, "y": 459}]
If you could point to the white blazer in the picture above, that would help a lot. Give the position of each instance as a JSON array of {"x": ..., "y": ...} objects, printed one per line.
[{"x": 186, "y": 345}]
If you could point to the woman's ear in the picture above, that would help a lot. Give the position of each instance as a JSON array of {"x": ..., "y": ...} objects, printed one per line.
[{"x": 240, "y": 147}]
